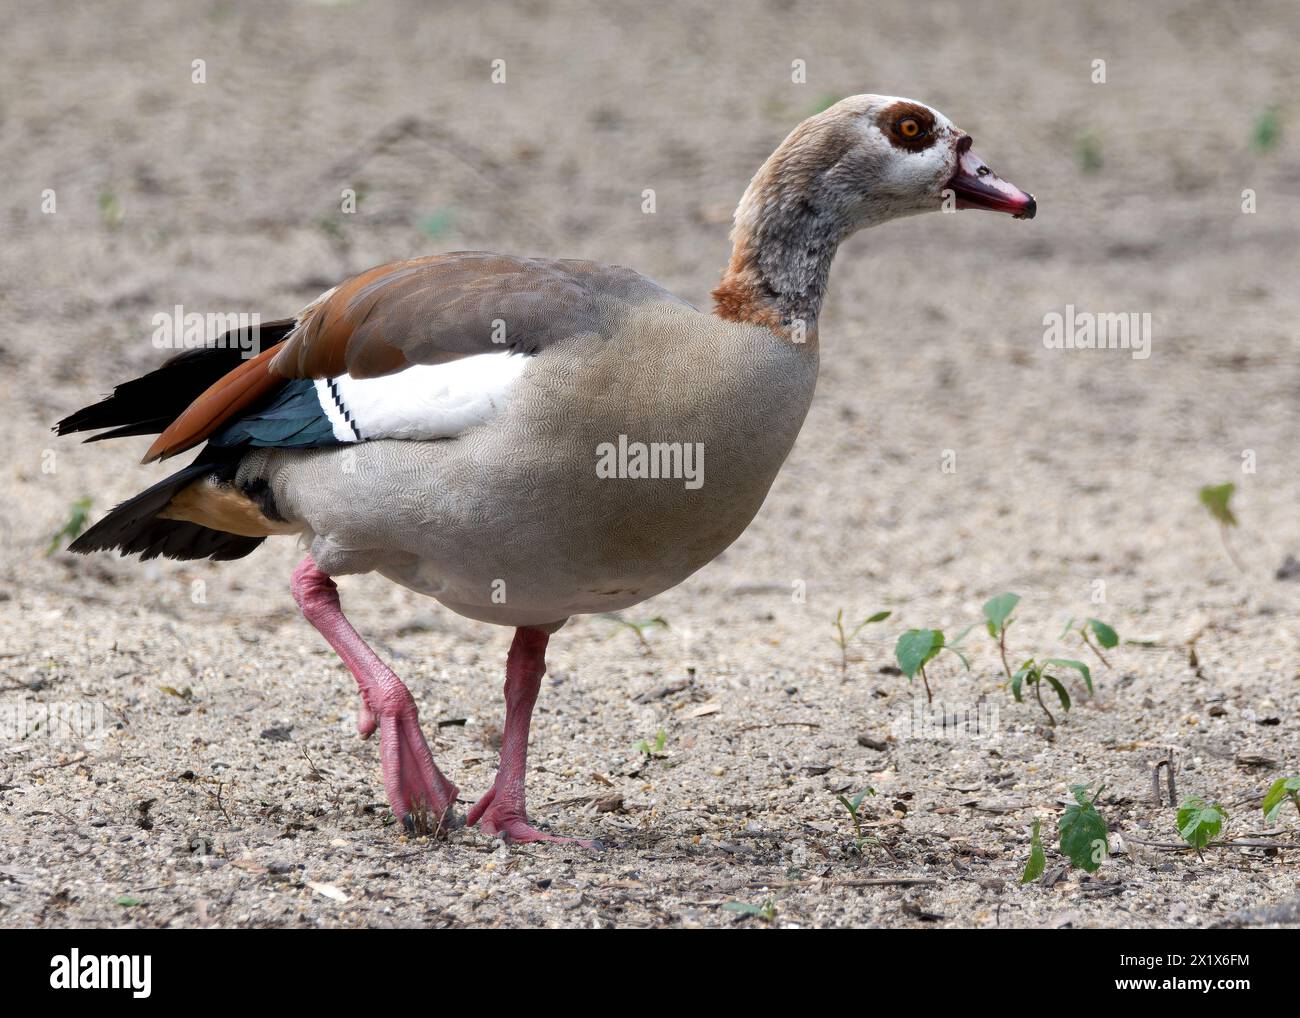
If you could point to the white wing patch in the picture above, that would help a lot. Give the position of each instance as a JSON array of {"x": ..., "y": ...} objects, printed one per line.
[{"x": 421, "y": 402}]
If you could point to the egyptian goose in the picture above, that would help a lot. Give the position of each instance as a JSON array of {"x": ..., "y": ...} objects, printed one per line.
[{"x": 447, "y": 422}]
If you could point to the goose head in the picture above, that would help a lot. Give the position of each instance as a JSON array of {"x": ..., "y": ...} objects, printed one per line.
[
  {"x": 864, "y": 161},
  {"x": 903, "y": 158},
  {"x": 872, "y": 158}
]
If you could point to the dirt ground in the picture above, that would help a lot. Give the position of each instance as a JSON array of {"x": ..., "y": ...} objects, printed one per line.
[{"x": 223, "y": 784}]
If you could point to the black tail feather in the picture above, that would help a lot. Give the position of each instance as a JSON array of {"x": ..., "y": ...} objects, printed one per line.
[
  {"x": 134, "y": 528},
  {"x": 148, "y": 404}
]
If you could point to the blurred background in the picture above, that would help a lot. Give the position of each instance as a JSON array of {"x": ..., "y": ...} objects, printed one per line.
[{"x": 199, "y": 152}]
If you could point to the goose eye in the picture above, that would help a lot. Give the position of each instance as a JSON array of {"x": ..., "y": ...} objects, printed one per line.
[{"x": 909, "y": 127}]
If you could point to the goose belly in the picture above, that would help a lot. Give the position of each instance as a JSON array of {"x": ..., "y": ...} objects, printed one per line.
[{"x": 516, "y": 543}]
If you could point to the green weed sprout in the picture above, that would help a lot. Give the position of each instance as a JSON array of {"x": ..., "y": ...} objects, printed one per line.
[
  {"x": 854, "y": 807},
  {"x": 997, "y": 617},
  {"x": 1034, "y": 673},
  {"x": 843, "y": 641},
  {"x": 1101, "y": 632},
  {"x": 918, "y": 647},
  {"x": 1199, "y": 822},
  {"x": 1217, "y": 500}
]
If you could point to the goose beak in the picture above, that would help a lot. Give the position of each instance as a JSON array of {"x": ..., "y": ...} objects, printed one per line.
[{"x": 978, "y": 187}]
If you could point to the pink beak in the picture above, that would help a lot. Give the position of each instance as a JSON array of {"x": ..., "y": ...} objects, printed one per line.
[{"x": 978, "y": 187}]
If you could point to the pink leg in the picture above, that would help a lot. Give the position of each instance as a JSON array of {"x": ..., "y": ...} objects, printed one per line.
[
  {"x": 411, "y": 778},
  {"x": 502, "y": 810}
]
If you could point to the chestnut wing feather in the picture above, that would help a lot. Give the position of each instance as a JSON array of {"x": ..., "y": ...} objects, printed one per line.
[
  {"x": 428, "y": 310},
  {"x": 436, "y": 309}
]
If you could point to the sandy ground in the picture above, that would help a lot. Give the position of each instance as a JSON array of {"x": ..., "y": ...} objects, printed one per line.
[{"x": 247, "y": 800}]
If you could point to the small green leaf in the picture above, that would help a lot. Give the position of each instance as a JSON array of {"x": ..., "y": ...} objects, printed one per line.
[
  {"x": 1037, "y": 859},
  {"x": 878, "y": 617},
  {"x": 1198, "y": 823},
  {"x": 1268, "y": 128},
  {"x": 638, "y": 628},
  {"x": 128, "y": 902},
  {"x": 437, "y": 223},
  {"x": 1106, "y": 636},
  {"x": 110, "y": 210},
  {"x": 1078, "y": 666},
  {"x": 917, "y": 647},
  {"x": 1215, "y": 498},
  {"x": 1060, "y": 690},
  {"x": 998, "y": 609},
  {"x": 1028, "y": 671},
  {"x": 1278, "y": 793},
  {"x": 328, "y": 226},
  {"x": 1069, "y": 624},
  {"x": 78, "y": 514},
  {"x": 824, "y": 101},
  {"x": 1089, "y": 149},
  {"x": 766, "y": 911},
  {"x": 1083, "y": 832}
]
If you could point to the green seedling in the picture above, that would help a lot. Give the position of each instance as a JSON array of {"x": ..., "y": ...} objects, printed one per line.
[
  {"x": 1037, "y": 859},
  {"x": 437, "y": 223},
  {"x": 997, "y": 617},
  {"x": 1089, "y": 151},
  {"x": 1217, "y": 499},
  {"x": 78, "y": 514},
  {"x": 854, "y": 806},
  {"x": 918, "y": 647},
  {"x": 653, "y": 749},
  {"x": 1267, "y": 130},
  {"x": 843, "y": 641},
  {"x": 186, "y": 694},
  {"x": 1277, "y": 795},
  {"x": 1083, "y": 831},
  {"x": 1199, "y": 823},
  {"x": 825, "y": 101},
  {"x": 1034, "y": 673},
  {"x": 330, "y": 226},
  {"x": 765, "y": 911},
  {"x": 638, "y": 627},
  {"x": 110, "y": 210},
  {"x": 1102, "y": 633}
]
